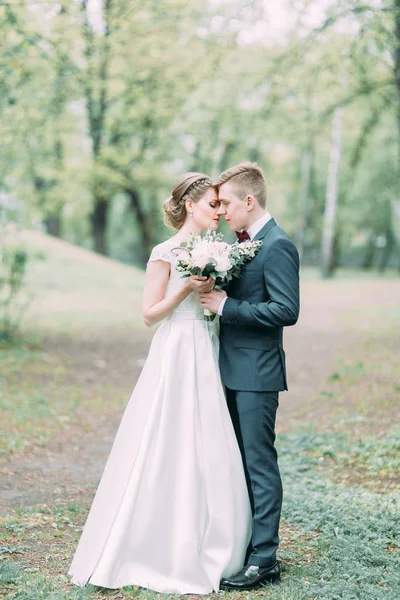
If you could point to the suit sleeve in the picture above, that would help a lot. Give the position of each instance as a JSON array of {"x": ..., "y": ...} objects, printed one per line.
[{"x": 281, "y": 274}]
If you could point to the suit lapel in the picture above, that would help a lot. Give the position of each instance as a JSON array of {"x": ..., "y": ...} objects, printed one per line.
[{"x": 263, "y": 232}]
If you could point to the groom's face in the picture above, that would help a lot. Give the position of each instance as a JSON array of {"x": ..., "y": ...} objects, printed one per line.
[{"x": 232, "y": 207}]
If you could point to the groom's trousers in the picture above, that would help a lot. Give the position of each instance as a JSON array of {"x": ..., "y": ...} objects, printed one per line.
[{"x": 253, "y": 417}]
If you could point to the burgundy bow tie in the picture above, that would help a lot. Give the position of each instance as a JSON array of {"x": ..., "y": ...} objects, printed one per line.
[{"x": 242, "y": 236}]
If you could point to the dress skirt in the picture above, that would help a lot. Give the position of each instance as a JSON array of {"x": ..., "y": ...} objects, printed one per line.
[{"x": 171, "y": 512}]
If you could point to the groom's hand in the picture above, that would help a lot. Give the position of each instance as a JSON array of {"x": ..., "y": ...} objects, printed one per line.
[{"x": 212, "y": 300}]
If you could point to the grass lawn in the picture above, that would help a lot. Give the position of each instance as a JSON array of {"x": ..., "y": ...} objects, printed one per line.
[{"x": 64, "y": 387}]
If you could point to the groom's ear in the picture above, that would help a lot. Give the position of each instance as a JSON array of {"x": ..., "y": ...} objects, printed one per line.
[{"x": 250, "y": 202}]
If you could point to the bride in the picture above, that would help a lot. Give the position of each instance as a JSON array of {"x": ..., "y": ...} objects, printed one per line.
[{"x": 171, "y": 512}]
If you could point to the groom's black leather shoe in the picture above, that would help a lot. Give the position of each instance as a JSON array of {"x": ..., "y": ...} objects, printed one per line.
[{"x": 252, "y": 577}]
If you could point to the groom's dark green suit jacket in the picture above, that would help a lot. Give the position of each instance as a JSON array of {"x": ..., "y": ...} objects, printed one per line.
[{"x": 260, "y": 303}]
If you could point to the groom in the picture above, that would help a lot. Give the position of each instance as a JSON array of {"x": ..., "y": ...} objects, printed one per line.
[{"x": 254, "y": 310}]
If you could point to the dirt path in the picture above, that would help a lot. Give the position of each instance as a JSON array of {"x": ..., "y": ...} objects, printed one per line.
[{"x": 66, "y": 471}]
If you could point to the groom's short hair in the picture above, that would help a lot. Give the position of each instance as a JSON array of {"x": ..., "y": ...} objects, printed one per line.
[{"x": 248, "y": 179}]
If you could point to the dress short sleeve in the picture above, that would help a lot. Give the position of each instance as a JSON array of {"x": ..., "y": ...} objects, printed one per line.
[{"x": 161, "y": 252}]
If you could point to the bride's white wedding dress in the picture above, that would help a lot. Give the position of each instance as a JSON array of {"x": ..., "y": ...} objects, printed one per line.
[{"x": 171, "y": 512}]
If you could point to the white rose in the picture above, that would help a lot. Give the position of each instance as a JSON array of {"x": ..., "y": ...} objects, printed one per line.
[
  {"x": 200, "y": 255},
  {"x": 223, "y": 246},
  {"x": 200, "y": 261},
  {"x": 223, "y": 263}
]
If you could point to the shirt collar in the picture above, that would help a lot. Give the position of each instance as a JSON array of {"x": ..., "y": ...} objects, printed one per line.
[{"x": 258, "y": 225}]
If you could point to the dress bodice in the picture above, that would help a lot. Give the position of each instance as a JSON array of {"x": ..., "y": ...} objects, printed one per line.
[{"x": 190, "y": 307}]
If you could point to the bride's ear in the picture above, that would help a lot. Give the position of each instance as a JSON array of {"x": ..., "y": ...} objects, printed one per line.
[{"x": 189, "y": 207}]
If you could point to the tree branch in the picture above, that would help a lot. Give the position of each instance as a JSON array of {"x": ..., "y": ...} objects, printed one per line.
[
  {"x": 369, "y": 126},
  {"x": 363, "y": 91}
]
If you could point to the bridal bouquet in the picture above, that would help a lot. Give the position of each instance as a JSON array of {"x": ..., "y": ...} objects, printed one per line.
[{"x": 210, "y": 256}]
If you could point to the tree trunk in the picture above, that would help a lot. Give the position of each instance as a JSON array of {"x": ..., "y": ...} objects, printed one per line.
[
  {"x": 54, "y": 218},
  {"x": 196, "y": 157},
  {"x": 53, "y": 223},
  {"x": 329, "y": 223},
  {"x": 305, "y": 192},
  {"x": 229, "y": 147},
  {"x": 96, "y": 109},
  {"x": 389, "y": 237},
  {"x": 336, "y": 250},
  {"x": 98, "y": 220},
  {"x": 146, "y": 223},
  {"x": 396, "y": 203},
  {"x": 386, "y": 254},
  {"x": 397, "y": 63},
  {"x": 254, "y": 154},
  {"x": 369, "y": 253}
]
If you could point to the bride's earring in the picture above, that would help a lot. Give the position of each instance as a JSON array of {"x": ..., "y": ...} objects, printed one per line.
[{"x": 191, "y": 214}]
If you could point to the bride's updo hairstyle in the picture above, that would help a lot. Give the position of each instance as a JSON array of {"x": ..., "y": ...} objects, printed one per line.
[{"x": 191, "y": 186}]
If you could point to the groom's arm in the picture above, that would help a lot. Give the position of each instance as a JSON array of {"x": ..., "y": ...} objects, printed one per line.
[{"x": 281, "y": 273}]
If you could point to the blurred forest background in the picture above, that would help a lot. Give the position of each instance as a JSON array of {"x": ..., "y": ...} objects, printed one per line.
[{"x": 104, "y": 103}]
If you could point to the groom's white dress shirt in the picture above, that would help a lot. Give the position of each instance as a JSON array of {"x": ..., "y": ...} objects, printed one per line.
[{"x": 252, "y": 231}]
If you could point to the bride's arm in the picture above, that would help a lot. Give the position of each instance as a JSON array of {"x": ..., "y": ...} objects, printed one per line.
[{"x": 155, "y": 306}]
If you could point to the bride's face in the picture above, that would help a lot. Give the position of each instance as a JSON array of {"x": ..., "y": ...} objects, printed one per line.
[{"x": 205, "y": 211}]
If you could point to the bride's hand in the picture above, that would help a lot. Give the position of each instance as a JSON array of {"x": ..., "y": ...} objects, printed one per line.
[
  {"x": 200, "y": 284},
  {"x": 207, "y": 286}
]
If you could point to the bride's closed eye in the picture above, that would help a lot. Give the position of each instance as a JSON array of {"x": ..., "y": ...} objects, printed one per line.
[{"x": 214, "y": 203}]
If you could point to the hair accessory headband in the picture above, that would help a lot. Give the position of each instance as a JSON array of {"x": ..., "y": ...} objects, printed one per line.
[{"x": 195, "y": 178}]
